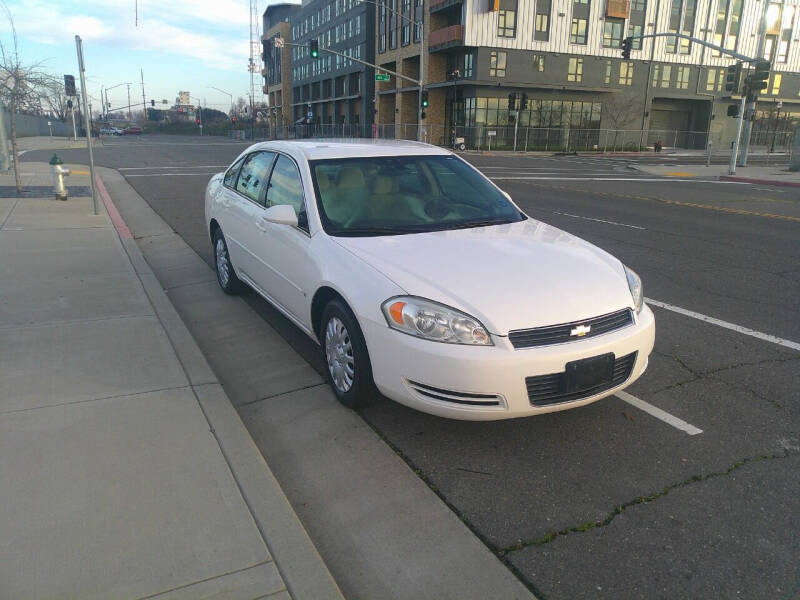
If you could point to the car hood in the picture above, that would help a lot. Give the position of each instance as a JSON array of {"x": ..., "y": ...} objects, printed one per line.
[{"x": 515, "y": 276}]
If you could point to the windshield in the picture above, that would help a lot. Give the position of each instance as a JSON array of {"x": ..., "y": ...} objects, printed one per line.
[{"x": 392, "y": 195}]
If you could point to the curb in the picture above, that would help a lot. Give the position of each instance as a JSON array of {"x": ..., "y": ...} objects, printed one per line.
[
  {"x": 301, "y": 567},
  {"x": 759, "y": 181}
]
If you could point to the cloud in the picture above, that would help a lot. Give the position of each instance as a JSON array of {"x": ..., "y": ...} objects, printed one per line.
[{"x": 214, "y": 32}]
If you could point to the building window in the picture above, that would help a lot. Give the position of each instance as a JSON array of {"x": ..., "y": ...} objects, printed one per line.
[
  {"x": 607, "y": 79},
  {"x": 666, "y": 75},
  {"x": 406, "y": 29},
  {"x": 612, "y": 32},
  {"x": 689, "y": 12},
  {"x": 541, "y": 28},
  {"x": 673, "y": 25},
  {"x": 682, "y": 80},
  {"x": 640, "y": 5},
  {"x": 625, "y": 73},
  {"x": 382, "y": 26},
  {"x": 735, "y": 21},
  {"x": 467, "y": 73},
  {"x": 418, "y": 15},
  {"x": 506, "y": 23},
  {"x": 633, "y": 31},
  {"x": 538, "y": 62},
  {"x": 575, "y": 71},
  {"x": 720, "y": 79},
  {"x": 711, "y": 80},
  {"x": 578, "y": 32},
  {"x": 392, "y": 24},
  {"x": 775, "y": 88},
  {"x": 497, "y": 64}
]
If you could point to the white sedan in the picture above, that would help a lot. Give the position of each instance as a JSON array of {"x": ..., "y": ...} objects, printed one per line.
[{"x": 423, "y": 281}]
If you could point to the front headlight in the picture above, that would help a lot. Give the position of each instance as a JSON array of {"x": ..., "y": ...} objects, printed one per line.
[
  {"x": 635, "y": 285},
  {"x": 433, "y": 321}
]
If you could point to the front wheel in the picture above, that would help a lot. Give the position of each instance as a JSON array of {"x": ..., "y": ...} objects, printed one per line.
[
  {"x": 226, "y": 276},
  {"x": 345, "y": 353}
]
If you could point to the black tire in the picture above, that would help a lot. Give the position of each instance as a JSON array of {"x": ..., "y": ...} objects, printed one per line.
[
  {"x": 361, "y": 390},
  {"x": 226, "y": 275}
]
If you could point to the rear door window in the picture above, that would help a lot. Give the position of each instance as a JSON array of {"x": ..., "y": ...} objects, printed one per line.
[
  {"x": 253, "y": 178},
  {"x": 230, "y": 175}
]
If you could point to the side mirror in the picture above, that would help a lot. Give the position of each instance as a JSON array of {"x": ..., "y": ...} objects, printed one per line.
[{"x": 281, "y": 214}]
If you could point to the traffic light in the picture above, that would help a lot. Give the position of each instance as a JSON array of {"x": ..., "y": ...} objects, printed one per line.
[
  {"x": 512, "y": 101},
  {"x": 424, "y": 99},
  {"x": 732, "y": 77},
  {"x": 757, "y": 80},
  {"x": 313, "y": 48},
  {"x": 523, "y": 103},
  {"x": 69, "y": 85},
  {"x": 69, "y": 104},
  {"x": 627, "y": 45},
  {"x": 197, "y": 120},
  {"x": 233, "y": 119},
  {"x": 152, "y": 102},
  {"x": 733, "y": 110}
]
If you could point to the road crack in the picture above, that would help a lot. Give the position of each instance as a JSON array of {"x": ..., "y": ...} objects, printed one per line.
[{"x": 621, "y": 508}]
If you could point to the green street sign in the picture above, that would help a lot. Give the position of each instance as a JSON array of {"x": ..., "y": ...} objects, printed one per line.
[{"x": 382, "y": 77}]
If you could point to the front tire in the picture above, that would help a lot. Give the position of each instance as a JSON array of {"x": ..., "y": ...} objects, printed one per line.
[
  {"x": 226, "y": 276},
  {"x": 345, "y": 353}
]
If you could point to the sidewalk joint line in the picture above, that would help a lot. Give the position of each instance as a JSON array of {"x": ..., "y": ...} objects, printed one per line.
[
  {"x": 305, "y": 387},
  {"x": 207, "y": 579},
  {"x": 73, "y": 322},
  {"x": 100, "y": 399}
]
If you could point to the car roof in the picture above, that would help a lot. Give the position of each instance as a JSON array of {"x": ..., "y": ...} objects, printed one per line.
[{"x": 350, "y": 148}]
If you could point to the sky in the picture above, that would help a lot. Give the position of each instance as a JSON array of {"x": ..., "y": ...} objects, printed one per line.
[{"x": 178, "y": 44}]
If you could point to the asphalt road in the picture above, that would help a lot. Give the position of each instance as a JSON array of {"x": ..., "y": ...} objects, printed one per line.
[{"x": 609, "y": 501}]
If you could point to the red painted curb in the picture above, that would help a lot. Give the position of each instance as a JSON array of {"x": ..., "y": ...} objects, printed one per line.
[
  {"x": 760, "y": 181},
  {"x": 116, "y": 218}
]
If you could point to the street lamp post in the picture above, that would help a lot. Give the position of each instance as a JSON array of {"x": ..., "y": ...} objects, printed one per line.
[
  {"x": 422, "y": 50},
  {"x": 105, "y": 102}
]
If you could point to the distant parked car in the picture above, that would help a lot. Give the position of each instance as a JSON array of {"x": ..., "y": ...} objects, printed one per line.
[
  {"x": 421, "y": 279},
  {"x": 110, "y": 131},
  {"x": 132, "y": 130}
]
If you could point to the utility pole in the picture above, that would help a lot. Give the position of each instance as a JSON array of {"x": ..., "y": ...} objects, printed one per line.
[
  {"x": 751, "y": 105},
  {"x": 129, "y": 101},
  {"x": 86, "y": 120},
  {"x": 144, "y": 101}
]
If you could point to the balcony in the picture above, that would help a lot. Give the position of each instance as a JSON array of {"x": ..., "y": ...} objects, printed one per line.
[
  {"x": 440, "y": 5},
  {"x": 619, "y": 9},
  {"x": 446, "y": 37}
]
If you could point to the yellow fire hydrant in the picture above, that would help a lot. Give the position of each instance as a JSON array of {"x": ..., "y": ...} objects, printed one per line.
[{"x": 59, "y": 173}]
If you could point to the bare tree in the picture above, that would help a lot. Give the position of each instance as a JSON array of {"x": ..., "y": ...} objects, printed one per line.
[
  {"x": 55, "y": 99},
  {"x": 622, "y": 111},
  {"x": 20, "y": 88}
]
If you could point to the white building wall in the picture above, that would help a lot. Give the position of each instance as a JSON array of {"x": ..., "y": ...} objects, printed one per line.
[{"x": 480, "y": 29}]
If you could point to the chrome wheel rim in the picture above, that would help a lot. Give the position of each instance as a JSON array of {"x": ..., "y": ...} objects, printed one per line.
[
  {"x": 223, "y": 264},
  {"x": 339, "y": 354}
]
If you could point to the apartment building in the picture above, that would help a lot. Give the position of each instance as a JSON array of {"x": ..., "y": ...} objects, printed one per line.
[
  {"x": 565, "y": 56},
  {"x": 332, "y": 89},
  {"x": 277, "y": 69}
]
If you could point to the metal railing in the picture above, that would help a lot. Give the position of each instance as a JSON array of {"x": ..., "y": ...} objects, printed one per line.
[{"x": 524, "y": 139}]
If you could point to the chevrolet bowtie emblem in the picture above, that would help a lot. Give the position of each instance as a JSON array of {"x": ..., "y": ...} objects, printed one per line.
[{"x": 580, "y": 330}]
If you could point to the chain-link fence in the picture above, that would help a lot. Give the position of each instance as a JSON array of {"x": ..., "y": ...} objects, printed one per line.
[{"x": 523, "y": 139}]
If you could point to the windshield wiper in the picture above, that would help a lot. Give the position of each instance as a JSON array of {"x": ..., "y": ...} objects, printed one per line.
[
  {"x": 468, "y": 224},
  {"x": 370, "y": 231}
]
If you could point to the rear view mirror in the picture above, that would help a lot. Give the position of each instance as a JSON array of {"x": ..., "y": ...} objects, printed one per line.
[{"x": 281, "y": 214}]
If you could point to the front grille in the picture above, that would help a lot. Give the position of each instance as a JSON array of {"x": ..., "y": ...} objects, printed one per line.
[
  {"x": 544, "y": 390},
  {"x": 558, "y": 334},
  {"x": 464, "y": 398}
]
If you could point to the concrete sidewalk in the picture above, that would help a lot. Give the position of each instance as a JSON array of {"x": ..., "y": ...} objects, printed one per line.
[
  {"x": 125, "y": 471},
  {"x": 778, "y": 174}
]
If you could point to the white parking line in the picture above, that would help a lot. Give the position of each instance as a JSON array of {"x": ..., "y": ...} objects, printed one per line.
[
  {"x": 181, "y": 167},
  {"x": 658, "y": 413},
  {"x": 597, "y": 220},
  {"x": 733, "y": 327},
  {"x": 172, "y": 174}
]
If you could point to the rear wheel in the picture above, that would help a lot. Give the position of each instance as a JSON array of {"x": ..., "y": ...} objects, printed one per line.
[
  {"x": 226, "y": 276},
  {"x": 345, "y": 353}
]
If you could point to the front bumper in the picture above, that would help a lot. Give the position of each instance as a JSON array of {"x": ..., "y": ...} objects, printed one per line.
[{"x": 401, "y": 363}]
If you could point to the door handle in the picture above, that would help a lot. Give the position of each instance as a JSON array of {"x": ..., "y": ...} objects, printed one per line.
[{"x": 260, "y": 226}]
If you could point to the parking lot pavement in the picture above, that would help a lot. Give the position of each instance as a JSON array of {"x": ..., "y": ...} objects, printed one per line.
[{"x": 607, "y": 501}]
